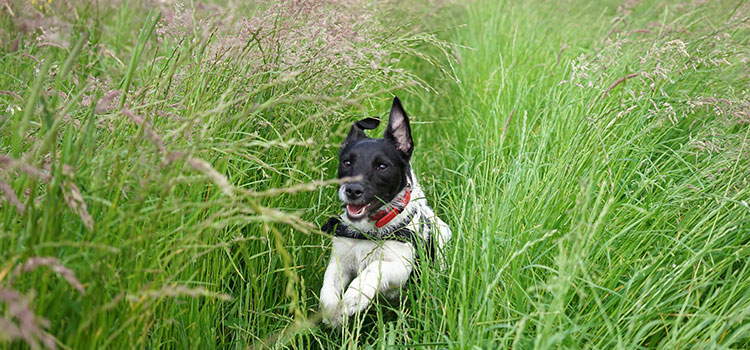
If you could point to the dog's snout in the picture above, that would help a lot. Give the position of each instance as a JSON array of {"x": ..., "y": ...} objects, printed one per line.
[{"x": 354, "y": 191}]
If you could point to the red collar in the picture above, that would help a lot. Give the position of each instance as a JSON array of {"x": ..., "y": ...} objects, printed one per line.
[{"x": 383, "y": 217}]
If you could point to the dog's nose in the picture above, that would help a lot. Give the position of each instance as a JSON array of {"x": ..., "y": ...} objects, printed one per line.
[{"x": 354, "y": 191}]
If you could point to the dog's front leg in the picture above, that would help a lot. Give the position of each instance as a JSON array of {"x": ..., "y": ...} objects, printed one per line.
[
  {"x": 378, "y": 277},
  {"x": 334, "y": 280}
]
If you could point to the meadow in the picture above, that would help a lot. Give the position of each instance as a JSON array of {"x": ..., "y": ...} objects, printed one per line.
[{"x": 165, "y": 166}]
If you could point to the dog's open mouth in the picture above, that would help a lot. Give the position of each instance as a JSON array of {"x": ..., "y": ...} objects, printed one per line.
[{"x": 356, "y": 211}]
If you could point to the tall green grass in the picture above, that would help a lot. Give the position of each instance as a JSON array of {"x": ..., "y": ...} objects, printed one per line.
[
  {"x": 591, "y": 158},
  {"x": 588, "y": 213}
]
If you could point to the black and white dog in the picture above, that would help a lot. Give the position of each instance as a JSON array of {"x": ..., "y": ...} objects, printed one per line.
[{"x": 386, "y": 218}]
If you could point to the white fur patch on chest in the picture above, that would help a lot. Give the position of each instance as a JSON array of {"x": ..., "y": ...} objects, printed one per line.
[{"x": 355, "y": 254}]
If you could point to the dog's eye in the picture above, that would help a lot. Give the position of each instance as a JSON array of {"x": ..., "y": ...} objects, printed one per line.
[
  {"x": 382, "y": 166},
  {"x": 347, "y": 163}
]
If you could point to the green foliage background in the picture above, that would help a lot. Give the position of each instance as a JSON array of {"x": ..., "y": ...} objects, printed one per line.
[{"x": 591, "y": 158}]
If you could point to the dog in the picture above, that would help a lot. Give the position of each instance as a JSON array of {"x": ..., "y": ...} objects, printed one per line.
[{"x": 386, "y": 221}]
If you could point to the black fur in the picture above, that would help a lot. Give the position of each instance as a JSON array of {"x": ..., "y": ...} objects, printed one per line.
[{"x": 381, "y": 163}]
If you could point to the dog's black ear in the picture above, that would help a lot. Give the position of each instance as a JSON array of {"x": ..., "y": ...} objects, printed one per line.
[
  {"x": 368, "y": 123},
  {"x": 356, "y": 132},
  {"x": 398, "y": 131}
]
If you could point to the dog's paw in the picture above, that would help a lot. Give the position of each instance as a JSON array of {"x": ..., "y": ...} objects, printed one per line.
[
  {"x": 353, "y": 301},
  {"x": 330, "y": 308},
  {"x": 334, "y": 321},
  {"x": 332, "y": 316},
  {"x": 329, "y": 301}
]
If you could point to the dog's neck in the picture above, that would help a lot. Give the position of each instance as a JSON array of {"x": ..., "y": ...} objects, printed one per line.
[{"x": 395, "y": 207}]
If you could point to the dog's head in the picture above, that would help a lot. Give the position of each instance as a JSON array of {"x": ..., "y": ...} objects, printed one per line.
[{"x": 382, "y": 165}]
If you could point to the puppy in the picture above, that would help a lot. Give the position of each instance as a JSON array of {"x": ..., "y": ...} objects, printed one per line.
[{"x": 385, "y": 221}]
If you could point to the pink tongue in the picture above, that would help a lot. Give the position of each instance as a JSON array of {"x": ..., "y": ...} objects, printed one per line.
[{"x": 355, "y": 209}]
